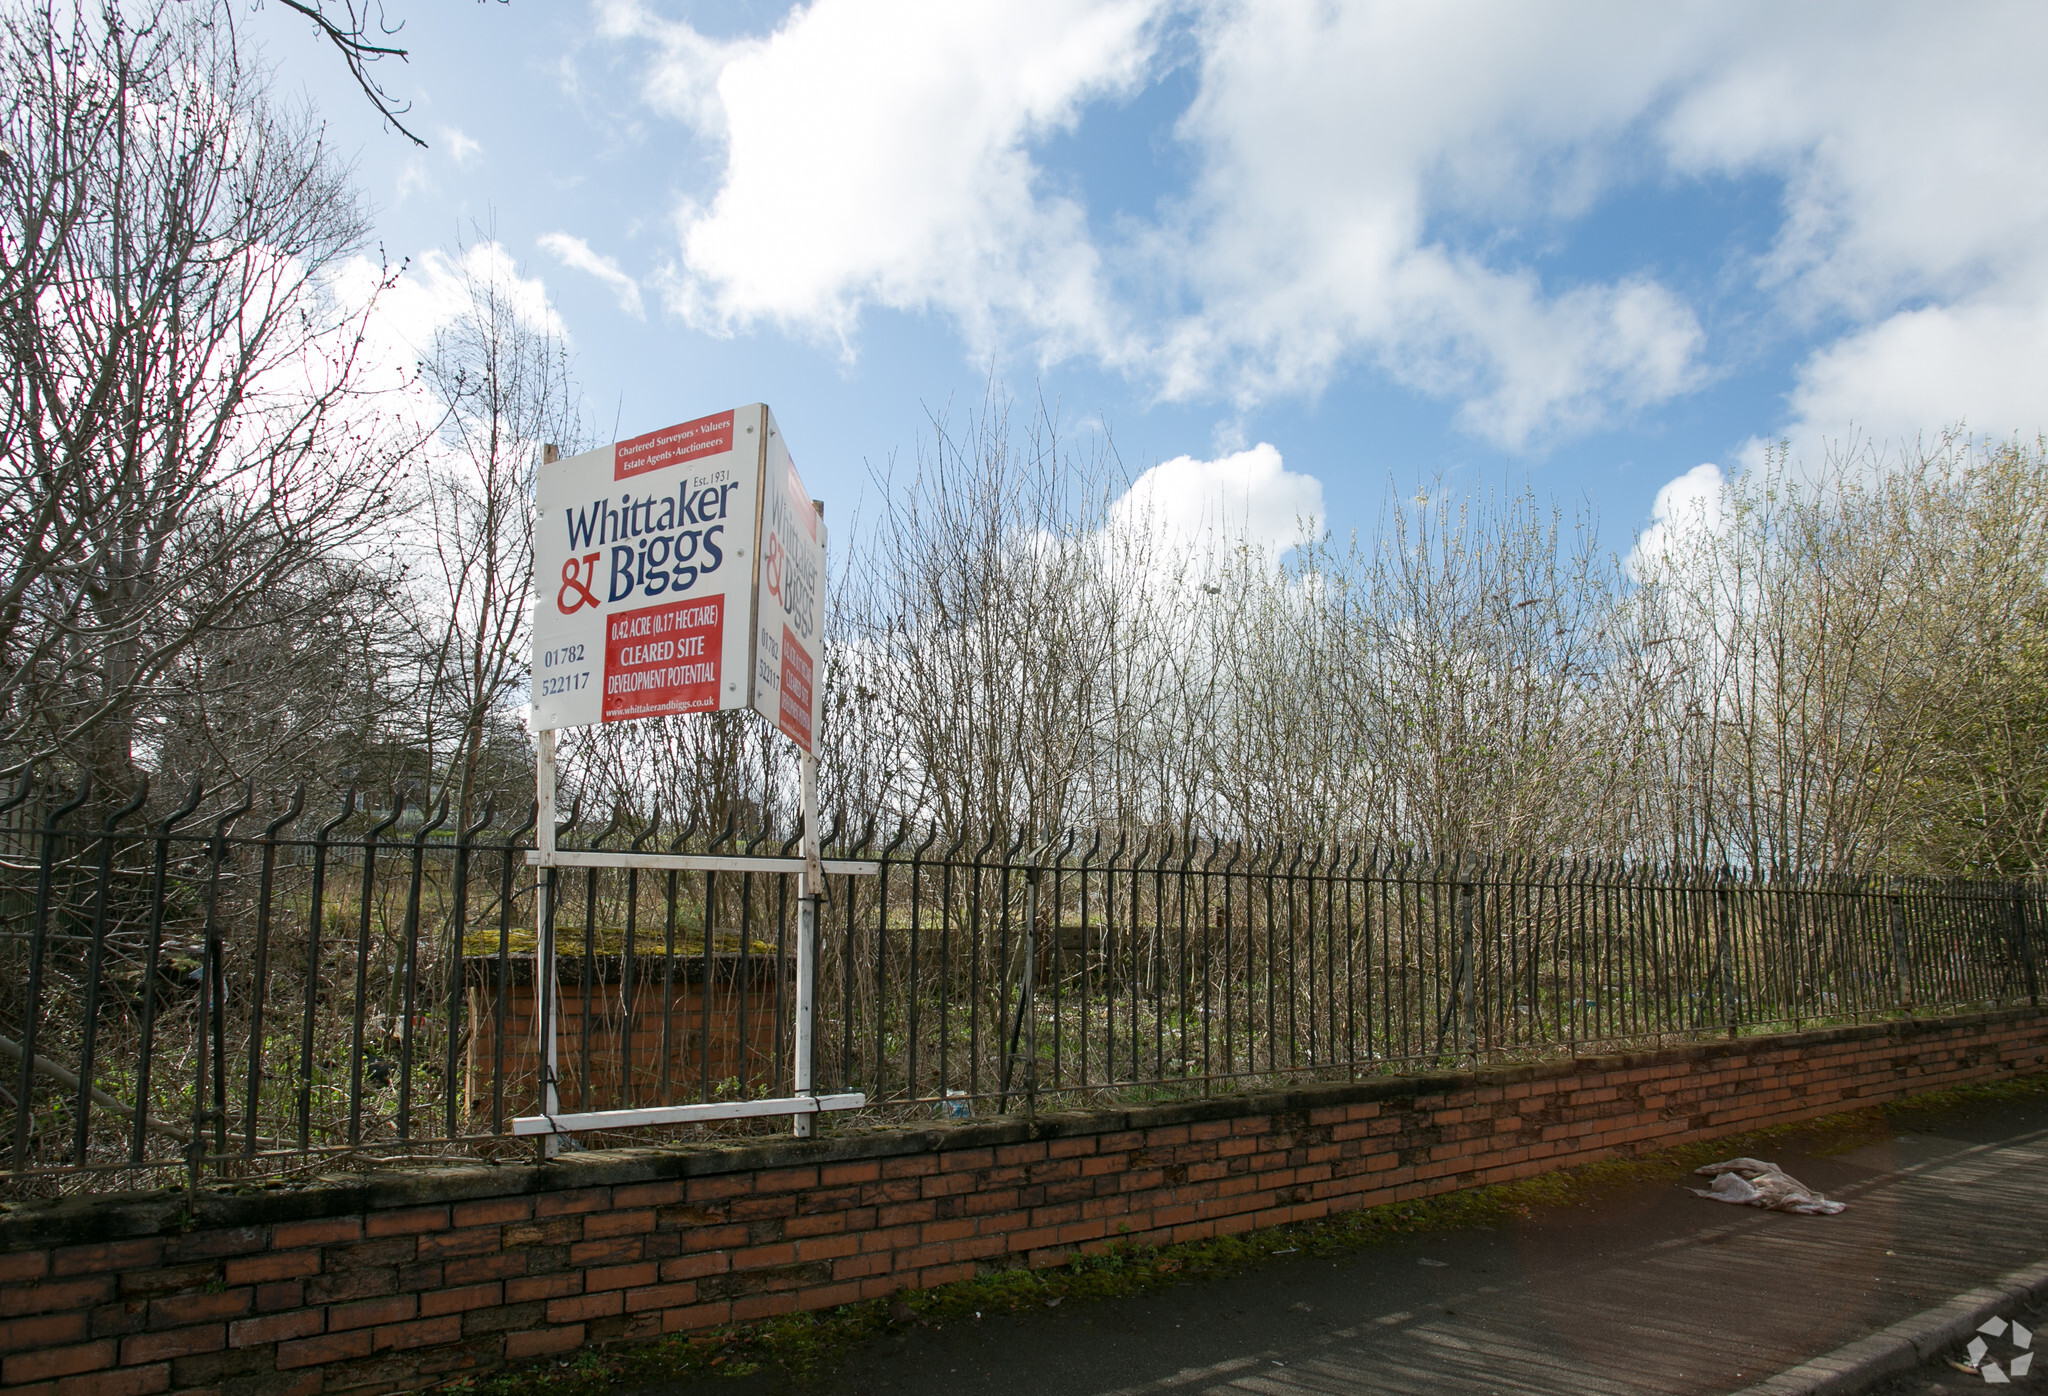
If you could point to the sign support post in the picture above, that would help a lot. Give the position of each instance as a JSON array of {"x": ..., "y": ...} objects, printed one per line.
[
  {"x": 680, "y": 571},
  {"x": 544, "y": 959},
  {"x": 810, "y": 891}
]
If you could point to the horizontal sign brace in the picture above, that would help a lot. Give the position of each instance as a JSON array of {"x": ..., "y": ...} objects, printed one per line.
[
  {"x": 686, "y": 1114},
  {"x": 694, "y": 862}
]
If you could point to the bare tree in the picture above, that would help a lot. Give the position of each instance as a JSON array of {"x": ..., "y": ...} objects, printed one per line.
[
  {"x": 184, "y": 417},
  {"x": 295, "y": 684},
  {"x": 710, "y": 774},
  {"x": 994, "y": 636},
  {"x": 1830, "y": 669},
  {"x": 501, "y": 377},
  {"x": 359, "y": 33},
  {"x": 362, "y": 35},
  {"x": 1021, "y": 648},
  {"x": 1978, "y": 794}
]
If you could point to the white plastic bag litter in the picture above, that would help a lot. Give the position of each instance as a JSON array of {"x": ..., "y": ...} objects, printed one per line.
[
  {"x": 1751, "y": 1182},
  {"x": 1731, "y": 1187}
]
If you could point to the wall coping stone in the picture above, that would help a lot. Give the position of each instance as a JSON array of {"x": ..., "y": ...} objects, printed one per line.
[{"x": 100, "y": 1217}]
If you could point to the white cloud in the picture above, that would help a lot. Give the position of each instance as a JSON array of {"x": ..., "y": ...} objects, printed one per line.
[
  {"x": 1373, "y": 184},
  {"x": 1984, "y": 364},
  {"x": 412, "y": 179},
  {"x": 1915, "y": 215},
  {"x": 1335, "y": 142},
  {"x": 908, "y": 130},
  {"x": 431, "y": 294},
  {"x": 461, "y": 147},
  {"x": 576, "y": 254},
  {"x": 1909, "y": 170},
  {"x": 1196, "y": 509},
  {"x": 876, "y": 154},
  {"x": 434, "y": 292},
  {"x": 1687, "y": 508},
  {"x": 1916, "y": 207}
]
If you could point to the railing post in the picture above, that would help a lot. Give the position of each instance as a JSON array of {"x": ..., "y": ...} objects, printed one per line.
[
  {"x": 1457, "y": 995},
  {"x": 1725, "y": 949},
  {"x": 259, "y": 979},
  {"x": 409, "y": 963},
  {"x": 1902, "y": 964},
  {"x": 1009, "y": 1044},
  {"x": 152, "y": 958},
  {"x": 359, "y": 1009},
  {"x": 39, "y": 934},
  {"x": 454, "y": 1102},
  {"x": 1028, "y": 992},
  {"x": 94, "y": 974},
  {"x": 2028, "y": 972},
  {"x": 211, "y": 1019},
  {"x": 1468, "y": 890},
  {"x": 316, "y": 917}
]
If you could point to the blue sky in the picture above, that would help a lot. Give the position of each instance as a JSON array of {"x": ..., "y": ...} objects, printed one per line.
[{"x": 1588, "y": 246}]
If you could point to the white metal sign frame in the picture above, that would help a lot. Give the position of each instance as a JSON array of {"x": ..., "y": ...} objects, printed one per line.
[
  {"x": 801, "y": 1106},
  {"x": 691, "y": 473}
]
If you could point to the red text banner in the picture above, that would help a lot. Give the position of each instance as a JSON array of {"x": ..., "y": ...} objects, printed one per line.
[
  {"x": 793, "y": 713},
  {"x": 662, "y": 659},
  {"x": 707, "y": 436}
]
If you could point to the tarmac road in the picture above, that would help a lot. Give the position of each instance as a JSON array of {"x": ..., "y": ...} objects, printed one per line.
[
  {"x": 1943, "y": 1374},
  {"x": 1657, "y": 1291}
]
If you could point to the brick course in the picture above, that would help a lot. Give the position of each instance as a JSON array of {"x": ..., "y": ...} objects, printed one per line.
[{"x": 403, "y": 1280}]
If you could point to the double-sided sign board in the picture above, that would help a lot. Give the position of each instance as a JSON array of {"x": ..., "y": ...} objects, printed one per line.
[{"x": 679, "y": 572}]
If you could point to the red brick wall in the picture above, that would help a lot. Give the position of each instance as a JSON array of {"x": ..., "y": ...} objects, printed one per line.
[
  {"x": 605, "y": 1090},
  {"x": 403, "y": 1280}
]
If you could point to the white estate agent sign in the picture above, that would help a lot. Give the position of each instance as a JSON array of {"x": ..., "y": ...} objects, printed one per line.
[{"x": 681, "y": 571}]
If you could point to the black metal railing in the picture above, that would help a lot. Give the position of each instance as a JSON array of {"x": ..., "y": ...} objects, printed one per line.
[{"x": 219, "y": 989}]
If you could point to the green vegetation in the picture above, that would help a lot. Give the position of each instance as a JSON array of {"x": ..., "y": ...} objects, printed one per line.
[{"x": 650, "y": 941}]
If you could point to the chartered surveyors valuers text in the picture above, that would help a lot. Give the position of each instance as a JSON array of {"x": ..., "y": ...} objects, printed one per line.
[{"x": 659, "y": 543}]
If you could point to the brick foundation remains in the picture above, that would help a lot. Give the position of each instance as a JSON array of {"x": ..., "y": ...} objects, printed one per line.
[
  {"x": 403, "y": 1280},
  {"x": 645, "y": 1016}
]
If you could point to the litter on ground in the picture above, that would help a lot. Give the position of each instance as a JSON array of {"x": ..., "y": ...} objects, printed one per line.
[{"x": 1750, "y": 1182}]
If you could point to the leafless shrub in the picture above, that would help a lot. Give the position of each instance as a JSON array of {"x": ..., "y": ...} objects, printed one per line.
[{"x": 184, "y": 445}]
